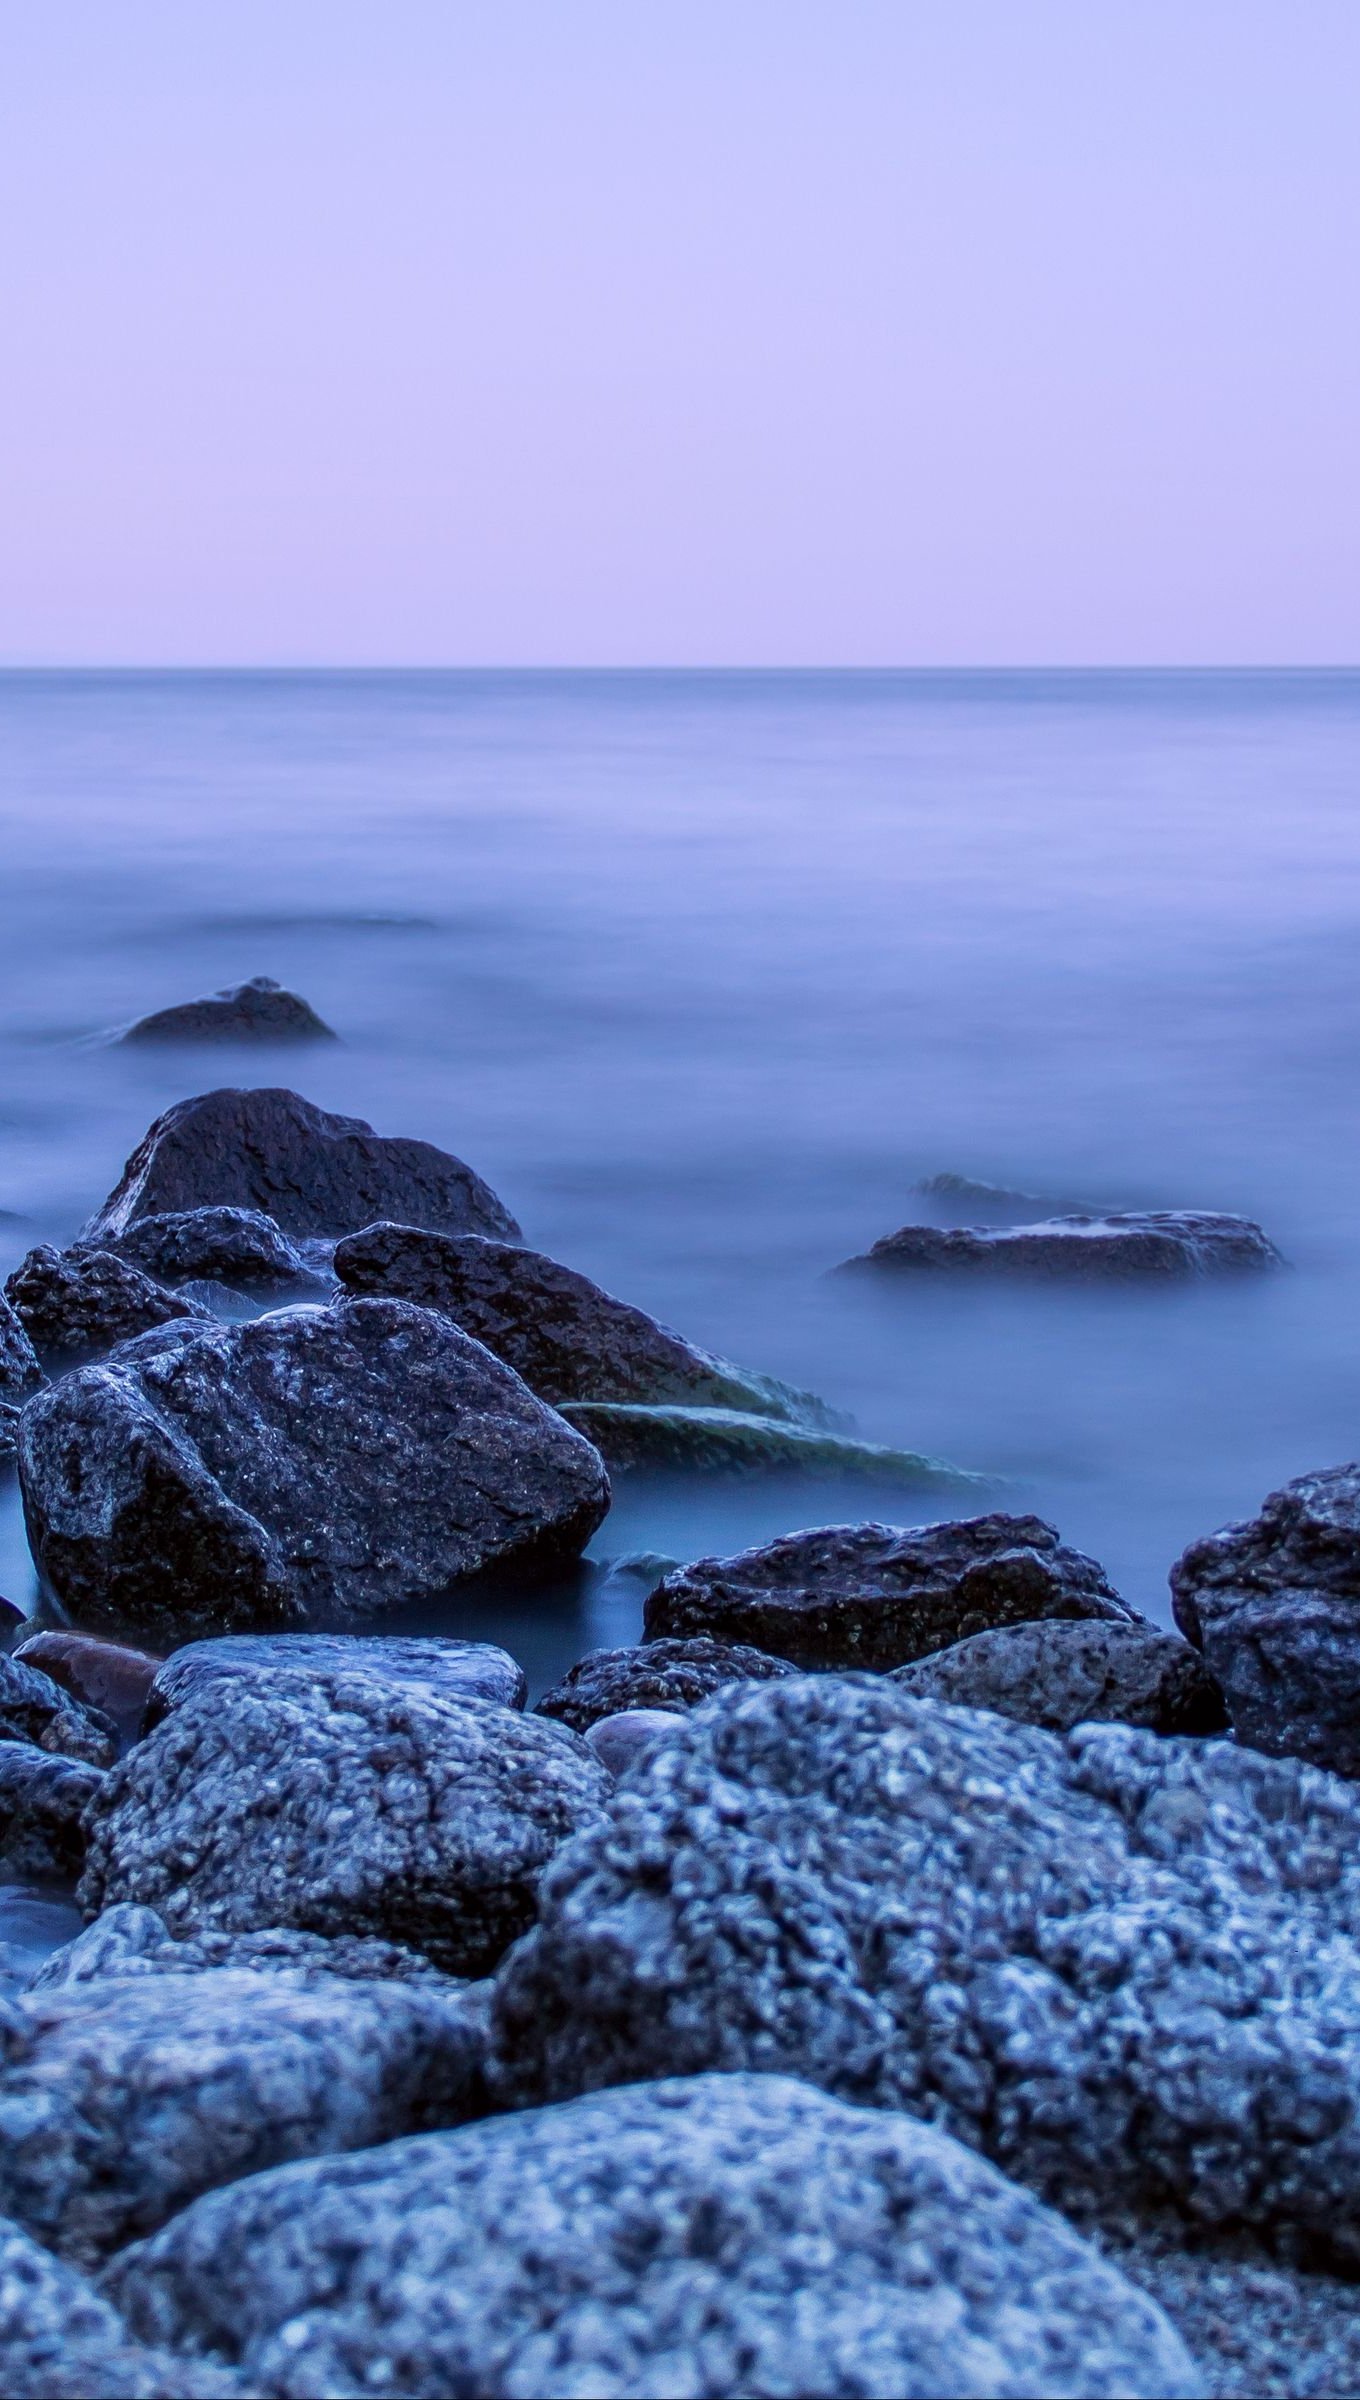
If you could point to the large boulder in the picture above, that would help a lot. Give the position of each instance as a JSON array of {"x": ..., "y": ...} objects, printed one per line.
[
  {"x": 662, "y": 1674},
  {"x": 76, "y": 1302},
  {"x": 734, "y": 1442},
  {"x": 1151, "y": 1245},
  {"x": 879, "y": 1595},
  {"x": 341, "y": 1803},
  {"x": 1063, "y": 1674},
  {"x": 21, "y": 1371},
  {"x": 314, "y": 1173},
  {"x": 60, "y": 2340},
  {"x": 313, "y": 1467},
  {"x": 258, "y": 1011},
  {"x": 107, "y": 1676},
  {"x": 43, "y": 1799},
  {"x": 733, "y": 2234},
  {"x": 450, "y": 1669},
  {"x": 232, "y": 1246},
  {"x": 129, "y": 1940},
  {"x": 34, "y": 1708},
  {"x": 1274, "y": 1604},
  {"x": 1126, "y": 1966}
]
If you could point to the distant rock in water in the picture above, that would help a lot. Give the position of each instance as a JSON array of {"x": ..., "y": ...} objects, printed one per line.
[
  {"x": 271, "y": 1151},
  {"x": 221, "y": 1245},
  {"x": 995, "y": 1202},
  {"x": 1064, "y": 1673},
  {"x": 651, "y": 1676},
  {"x": 75, "y": 1303},
  {"x": 258, "y": 1011},
  {"x": 1168, "y": 1245}
]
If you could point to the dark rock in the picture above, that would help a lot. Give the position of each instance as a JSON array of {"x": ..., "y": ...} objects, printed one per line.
[
  {"x": 77, "y": 1302},
  {"x": 127, "y": 1940},
  {"x": 105, "y": 1675},
  {"x": 312, "y": 1172},
  {"x": 722, "y": 1441},
  {"x": 228, "y": 1246},
  {"x": 880, "y": 1595},
  {"x": 566, "y": 1337},
  {"x": 9, "y": 1437},
  {"x": 997, "y": 1203},
  {"x": 660, "y": 1674},
  {"x": 341, "y": 1803},
  {"x": 1154, "y": 1244},
  {"x": 42, "y": 1809},
  {"x": 1126, "y": 1966},
  {"x": 315, "y": 1466},
  {"x": 1067, "y": 1674},
  {"x": 1274, "y": 1604},
  {"x": 258, "y": 1011},
  {"x": 11, "y": 1618},
  {"x": 59, "y": 2340},
  {"x": 20, "y": 1371},
  {"x": 452, "y": 1670},
  {"x": 620, "y": 1741},
  {"x": 35, "y": 1708},
  {"x": 732, "y": 2234}
]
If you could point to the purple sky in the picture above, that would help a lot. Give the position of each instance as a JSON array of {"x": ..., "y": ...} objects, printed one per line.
[{"x": 629, "y": 331}]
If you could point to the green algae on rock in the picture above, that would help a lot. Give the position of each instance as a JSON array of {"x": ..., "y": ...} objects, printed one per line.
[{"x": 730, "y": 1441}]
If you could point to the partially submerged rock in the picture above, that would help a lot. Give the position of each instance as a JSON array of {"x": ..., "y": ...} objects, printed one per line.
[
  {"x": 733, "y": 2234},
  {"x": 76, "y": 1302},
  {"x": 43, "y": 1800},
  {"x": 231, "y": 1246},
  {"x": 659, "y": 1674},
  {"x": 880, "y": 1595},
  {"x": 723, "y": 1441},
  {"x": 108, "y": 1676},
  {"x": 61, "y": 2340},
  {"x": 340, "y": 1803},
  {"x": 315, "y": 1466},
  {"x": 452, "y": 1670},
  {"x": 1064, "y": 1674},
  {"x": 258, "y": 1011},
  {"x": 129, "y": 1940},
  {"x": 34, "y": 1708},
  {"x": 21, "y": 1373},
  {"x": 1167, "y": 1245}
]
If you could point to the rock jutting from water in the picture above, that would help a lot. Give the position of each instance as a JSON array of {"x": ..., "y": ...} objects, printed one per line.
[
  {"x": 1064, "y": 1673},
  {"x": 653, "y": 1675},
  {"x": 130, "y": 1940},
  {"x": 77, "y": 1302},
  {"x": 43, "y": 1799},
  {"x": 316, "y": 1467},
  {"x": 233, "y": 1246},
  {"x": 878, "y": 1596},
  {"x": 35, "y": 1708},
  {"x": 450, "y": 1669},
  {"x": 726, "y": 1442},
  {"x": 258, "y": 1011},
  {"x": 1167, "y": 1245}
]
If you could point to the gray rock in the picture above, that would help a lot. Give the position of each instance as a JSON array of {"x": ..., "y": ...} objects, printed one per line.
[
  {"x": 258, "y": 1011},
  {"x": 1067, "y": 1674},
  {"x": 450, "y": 1669},
  {"x": 77, "y": 1302},
  {"x": 733, "y": 2234},
  {"x": 59, "y": 2340},
  {"x": 21, "y": 1373},
  {"x": 128, "y": 1940},
  {"x": 231, "y": 1246},
  {"x": 878, "y": 1596},
  {"x": 9, "y": 1437},
  {"x": 121, "y": 2101},
  {"x": 660, "y": 1674},
  {"x": 341, "y": 1804},
  {"x": 316, "y": 1466},
  {"x": 312, "y": 1172},
  {"x": 1126, "y": 1966},
  {"x": 107, "y": 1676},
  {"x": 33, "y": 1708},
  {"x": 724, "y": 1441},
  {"x": 568, "y": 1339},
  {"x": 43, "y": 1800},
  {"x": 1160, "y": 1245},
  {"x": 621, "y": 1740},
  {"x": 1274, "y": 1604}
]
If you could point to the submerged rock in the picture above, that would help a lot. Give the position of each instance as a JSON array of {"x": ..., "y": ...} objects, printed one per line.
[
  {"x": 20, "y": 1371},
  {"x": 659, "y": 1674},
  {"x": 258, "y": 1011},
  {"x": 35, "y": 1708},
  {"x": 231, "y": 1246},
  {"x": 315, "y": 1174},
  {"x": 107, "y": 1676},
  {"x": 880, "y": 1595},
  {"x": 723, "y": 1441},
  {"x": 340, "y": 1803},
  {"x": 43, "y": 1799},
  {"x": 733, "y": 2234},
  {"x": 60, "y": 2340},
  {"x": 128, "y": 1940},
  {"x": 450, "y": 1669},
  {"x": 76, "y": 1302},
  {"x": 1067, "y": 1674},
  {"x": 316, "y": 1466},
  {"x": 1157, "y": 1244}
]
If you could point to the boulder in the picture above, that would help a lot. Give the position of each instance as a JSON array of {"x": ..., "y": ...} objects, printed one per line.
[
  {"x": 880, "y": 1595},
  {"x": 128, "y": 1940},
  {"x": 230, "y": 1246},
  {"x": 661, "y": 1674},
  {"x": 1126, "y": 1966},
  {"x": 1064, "y": 1674},
  {"x": 59, "y": 2340},
  {"x": 1274, "y": 1604},
  {"x": 43, "y": 1799},
  {"x": 313, "y": 1173},
  {"x": 732, "y": 2234},
  {"x": 568, "y": 1339},
  {"x": 34, "y": 1708},
  {"x": 620, "y": 1741},
  {"x": 313, "y": 1467},
  {"x": 451, "y": 1670},
  {"x": 75, "y": 1303},
  {"x": 107, "y": 1676},
  {"x": 341, "y": 1803},
  {"x": 258, "y": 1011},
  {"x": 20, "y": 1371},
  {"x": 724, "y": 1441},
  {"x": 1166, "y": 1245}
]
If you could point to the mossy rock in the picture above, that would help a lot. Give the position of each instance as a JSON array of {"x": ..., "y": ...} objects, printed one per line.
[{"x": 729, "y": 1441}]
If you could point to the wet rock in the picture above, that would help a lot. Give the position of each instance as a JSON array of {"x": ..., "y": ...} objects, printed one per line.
[
  {"x": 568, "y": 1339},
  {"x": 43, "y": 1800},
  {"x": 878, "y": 1596},
  {"x": 723, "y": 1441},
  {"x": 730, "y": 2234},
  {"x": 231, "y": 1246},
  {"x": 621, "y": 1740},
  {"x": 34, "y": 1708},
  {"x": 340, "y": 1803},
  {"x": 9, "y": 1437},
  {"x": 1126, "y": 1966},
  {"x": 1274, "y": 1604},
  {"x": 127, "y": 1940},
  {"x": 996, "y": 1203},
  {"x": 74, "y": 1303},
  {"x": 1167, "y": 1245},
  {"x": 11, "y": 1618},
  {"x": 258, "y": 1011},
  {"x": 121, "y": 2101},
  {"x": 20, "y": 1371},
  {"x": 660, "y": 1674},
  {"x": 1067, "y": 1674},
  {"x": 59, "y": 2340},
  {"x": 313, "y": 1173},
  {"x": 316, "y": 1466},
  {"x": 36, "y": 1920},
  {"x": 107, "y": 1676},
  {"x": 450, "y": 1669}
]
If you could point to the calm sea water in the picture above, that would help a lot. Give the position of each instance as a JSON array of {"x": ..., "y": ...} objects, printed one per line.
[{"x": 706, "y": 972}]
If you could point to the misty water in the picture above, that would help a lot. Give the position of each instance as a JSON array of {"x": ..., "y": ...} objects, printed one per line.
[{"x": 705, "y": 973}]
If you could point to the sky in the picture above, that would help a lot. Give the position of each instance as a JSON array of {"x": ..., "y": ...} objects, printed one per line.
[{"x": 692, "y": 332}]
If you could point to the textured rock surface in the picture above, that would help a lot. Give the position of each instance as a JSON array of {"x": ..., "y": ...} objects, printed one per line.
[
  {"x": 724, "y": 1441},
  {"x": 1067, "y": 1674},
  {"x": 42, "y": 1807},
  {"x": 224, "y": 1245},
  {"x": 879, "y": 1595},
  {"x": 36, "y": 1921},
  {"x": 21, "y": 1373},
  {"x": 661, "y": 1674},
  {"x": 122, "y": 2101},
  {"x": 59, "y": 2340},
  {"x": 312, "y": 1172},
  {"x": 315, "y": 1466},
  {"x": 34, "y": 1708},
  {"x": 1126, "y": 1966},
  {"x": 73, "y": 1303},
  {"x": 451, "y": 1669},
  {"x": 1274, "y": 1603},
  {"x": 9, "y": 1437},
  {"x": 620, "y": 1741},
  {"x": 1255, "y": 2325},
  {"x": 258, "y": 1011},
  {"x": 342, "y": 1804},
  {"x": 128, "y": 1940},
  {"x": 107, "y": 1676},
  {"x": 1175, "y": 1245},
  {"x": 728, "y": 2235}
]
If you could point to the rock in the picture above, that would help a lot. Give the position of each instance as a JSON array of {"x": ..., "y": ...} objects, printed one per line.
[
  {"x": 996, "y": 1203},
  {"x": 42, "y": 1809},
  {"x": 78, "y": 1302},
  {"x": 127, "y": 1940},
  {"x": 621, "y": 1740},
  {"x": 20, "y": 1372},
  {"x": 316, "y": 1466},
  {"x": 258, "y": 1011},
  {"x": 1067, "y": 1674},
  {"x": 11, "y": 1618},
  {"x": 34, "y": 1708},
  {"x": 60, "y": 2341},
  {"x": 105, "y": 1675},
  {"x": 1274, "y": 1604},
  {"x": 1158, "y": 1244},
  {"x": 660, "y": 1674},
  {"x": 313, "y": 1173},
  {"x": 341, "y": 1803},
  {"x": 35, "y": 1923},
  {"x": 566, "y": 1337},
  {"x": 733, "y": 2234},
  {"x": 9, "y": 1437},
  {"x": 231, "y": 1246},
  {"x": 121, "y": 2101},
  {"x": 451, "y": 1670},
  {"x": 880, "y": 1595},
  {"x": 722, "y": 1441}
]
